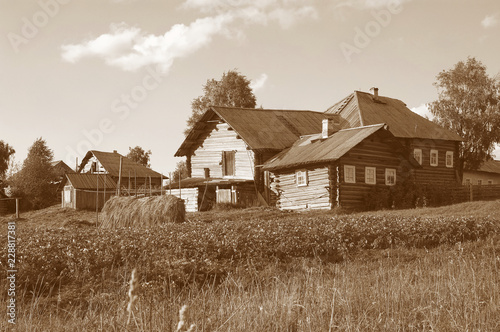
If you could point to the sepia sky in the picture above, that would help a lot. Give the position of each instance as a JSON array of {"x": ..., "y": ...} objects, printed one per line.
[{"x": 113, "y": 74}]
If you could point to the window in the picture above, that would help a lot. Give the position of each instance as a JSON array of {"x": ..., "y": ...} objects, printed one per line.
[
  {"x": 350, "y": 174},
  {"x": 449, "y": 158},
  {"x": 417, "y": 154},
  {"x": 370, "y": 175},
  {"x": 434, "y": 157},
  {"x": 479, "y": 182},
  {"x": 228, "y": 166},
  {"x": 490, "y": 181},
  {"x": 301, "y": 178},
  {"x": 390, "y": 176},
  {"x": 467, "y": 182}
]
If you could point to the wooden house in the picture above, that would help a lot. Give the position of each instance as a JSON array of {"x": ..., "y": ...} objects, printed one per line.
[
  {"x": 487, "y": 174},
  {"x": 60, "y": 169},
  {"x": 135, "y": 178},
  {"x": 226, "y": 148},
  {"x": 87, "y": 191},
  {"x": 435, "y": 148},
  {"x": 338, "y": 168}
]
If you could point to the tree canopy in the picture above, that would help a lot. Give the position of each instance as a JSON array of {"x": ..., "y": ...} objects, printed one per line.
[
  {"x": 232, "y": 90},
  {"x": 140, "y": 156},
  {"x": 35, "y": 180},
  {"x": 469, "y": 104},
  {"x": 180, "y": 169},
  {"x": 5, "y": 152}
]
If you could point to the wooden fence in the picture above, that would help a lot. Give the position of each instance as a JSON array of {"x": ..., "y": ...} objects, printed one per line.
[{"x": 476, "y": 193}]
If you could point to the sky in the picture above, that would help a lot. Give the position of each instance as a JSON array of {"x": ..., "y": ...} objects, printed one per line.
[{"x": 112, "y": 74}]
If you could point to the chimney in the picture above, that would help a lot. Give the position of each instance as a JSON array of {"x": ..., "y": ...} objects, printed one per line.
[
  {"x": 327, "y": 128},
  {"x": 114, "y": 151},
  {"x": 375, "y": 94}
]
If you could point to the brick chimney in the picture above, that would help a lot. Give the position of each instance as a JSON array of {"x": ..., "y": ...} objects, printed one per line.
[
  {"x": 375, "y": 93},
  {"x": 328, "y": 128}
]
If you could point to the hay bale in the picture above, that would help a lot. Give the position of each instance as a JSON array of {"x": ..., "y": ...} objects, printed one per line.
[{"x": 142, "y": 212}]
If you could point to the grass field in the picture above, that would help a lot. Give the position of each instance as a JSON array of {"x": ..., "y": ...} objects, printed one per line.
[{"x": 446, "y": 281}]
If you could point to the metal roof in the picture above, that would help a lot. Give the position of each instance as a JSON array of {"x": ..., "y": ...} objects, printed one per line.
[
  {"x": 91, "y": 181},
  {"x": 312, "y": 149},
  {"x": 111, "y": 163},
  {"x": 261, "y": 129},
  {"x": 402, "y": 121},
  {"x": 490, "y": 166}
]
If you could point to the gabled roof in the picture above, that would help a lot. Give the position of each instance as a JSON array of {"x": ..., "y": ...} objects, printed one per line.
[
  {"x": 261, "y": 129},
  {"x": 312, "y": 149},
  {"x": 61, "y": 167},
  {"x": 110, "y": 161},
  {"x": 490, "y": 166},
  {"x": 402, "y": 122},
  {"x": 91, "y": 181}
]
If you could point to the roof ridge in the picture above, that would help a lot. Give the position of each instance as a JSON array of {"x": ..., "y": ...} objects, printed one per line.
[{"x": 265, "y": 109}]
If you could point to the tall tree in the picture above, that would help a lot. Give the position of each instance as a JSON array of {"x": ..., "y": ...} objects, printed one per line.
[
  {"x": 5, "y": 152},
  {"x": 232, "y": 90},
  {"x": 35, "y": 181},
  {"x": 140, "y": 156},
  {"x": 180, "y": 170},
  {"x": 469, "y": 104}
]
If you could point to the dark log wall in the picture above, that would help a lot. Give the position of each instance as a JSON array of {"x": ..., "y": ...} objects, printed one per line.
[
  {"x": 375, "y": 151},
  {"x": 435, "y": 174}
]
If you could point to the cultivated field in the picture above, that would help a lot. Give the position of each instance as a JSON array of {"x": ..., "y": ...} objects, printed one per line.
[{"x": 261, "y": 270}]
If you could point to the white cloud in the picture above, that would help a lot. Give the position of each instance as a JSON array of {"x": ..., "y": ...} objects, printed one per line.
[
  {"x": 259, "y": 82},
  {"x": 369, "y": 4},
  {"x": 423, "y": 111},
  {"x": 490, "y": 21},
  {"x": 129, "y": 48}
]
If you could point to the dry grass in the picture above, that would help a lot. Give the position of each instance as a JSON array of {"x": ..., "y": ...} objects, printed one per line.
[
  {"x": 142, "y": 212},
  {"x": 449, "y": 288},
  {"x": 454, "y": 288}
]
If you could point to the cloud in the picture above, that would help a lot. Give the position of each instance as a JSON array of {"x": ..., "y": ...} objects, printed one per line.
[
  {"x": 423, "y": 111},
  {"x": 369, "y": 4},
  {"x": 490, "y": 21},
  {"x": 130, "y": 48},
  {"x": 259, "y": 82}
]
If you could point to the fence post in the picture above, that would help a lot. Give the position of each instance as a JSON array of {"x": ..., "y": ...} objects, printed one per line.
[{"x": 17, "y": 208}]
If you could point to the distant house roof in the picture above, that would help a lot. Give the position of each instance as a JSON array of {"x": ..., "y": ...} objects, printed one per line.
[
  {"x": 364, "y": 110},
  {"x": 61, "y": 167},
  {"x": 91, "y": 181},
  {"x": 261, "y": 129},
  {"x": 312, "y": 149},
  {"x": 491, "y": 166},
  {"x": 110, "y": 161}
]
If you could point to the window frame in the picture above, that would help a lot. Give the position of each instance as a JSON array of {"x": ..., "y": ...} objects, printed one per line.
[
  {"x": 387, "y": 171},
  {"x": 449, "y": 153},
  {"x": 353, "y": 168},
  {"x": 299, "y": 174},
  {"x": 374, "y": 169},
  {"x": 467, "y": 182},
  {"x": 437, "y": 158},
  {"x": 420, "y": 159},
  {"x": 480, "y": 182}
]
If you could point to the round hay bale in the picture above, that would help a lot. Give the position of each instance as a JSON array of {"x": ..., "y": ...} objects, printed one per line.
[{"x": 142, "y": 212}]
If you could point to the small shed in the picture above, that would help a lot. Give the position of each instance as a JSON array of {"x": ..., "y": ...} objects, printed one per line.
[{"x": 87, "y": 191}]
